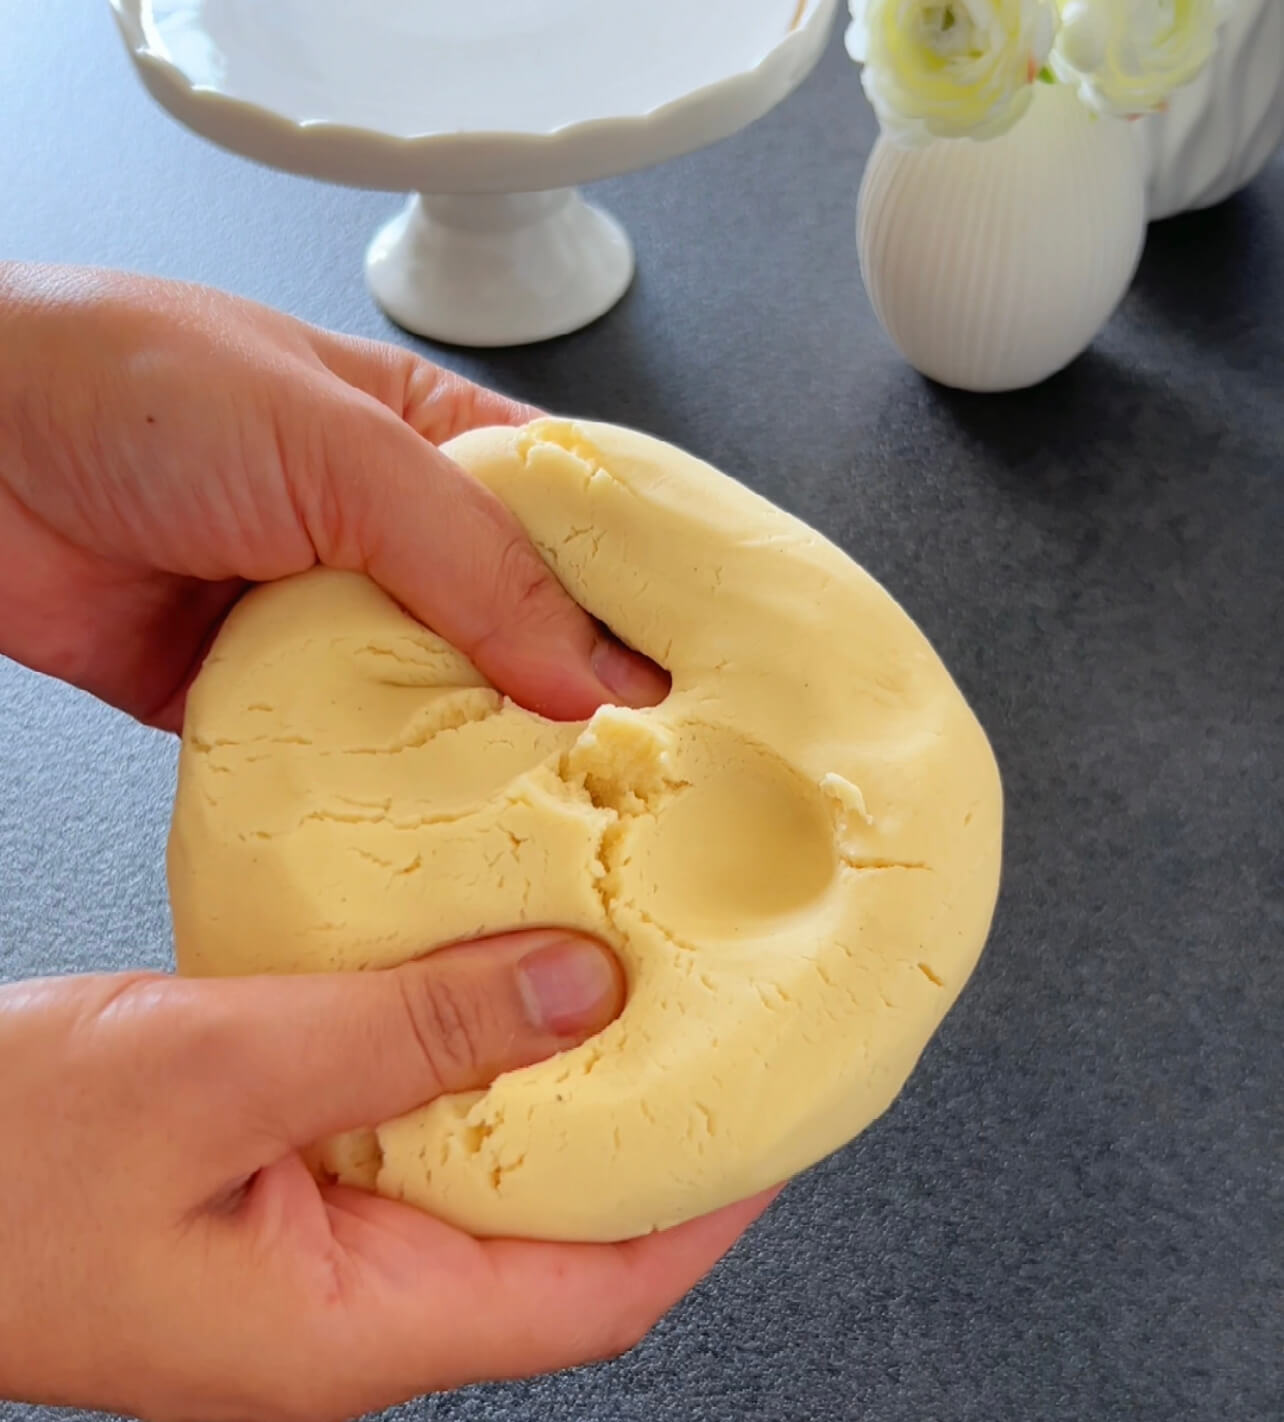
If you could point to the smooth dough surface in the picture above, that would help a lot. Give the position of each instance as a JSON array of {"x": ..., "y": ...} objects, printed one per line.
[{"x": 796, "y": 855}]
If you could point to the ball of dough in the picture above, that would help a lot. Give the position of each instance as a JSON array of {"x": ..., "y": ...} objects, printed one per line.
[{"x": 796, "y": 855}]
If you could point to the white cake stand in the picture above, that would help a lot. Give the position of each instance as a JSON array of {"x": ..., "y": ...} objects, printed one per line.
[{"x": 489, "y": 112}]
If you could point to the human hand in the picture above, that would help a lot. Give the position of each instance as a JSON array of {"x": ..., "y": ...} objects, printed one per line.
[
  {"x": 168, "y": 1255},
  {"x": 163, "y": 445}
]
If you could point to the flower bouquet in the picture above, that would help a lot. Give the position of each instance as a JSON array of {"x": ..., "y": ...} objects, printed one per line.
[{"x": 1003, "y": 210}]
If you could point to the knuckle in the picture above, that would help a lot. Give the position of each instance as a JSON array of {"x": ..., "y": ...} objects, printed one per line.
[
  {"x": 525, "y": 586},
  {"x": 337, "y": 497},
  {"x": 434, "y": 402},
  {"x": 328, "y": 521},
  {"x": 447, "y": 1026},
  {"x": 526, "y": 601},
  {"x": 439, "y": 404}
]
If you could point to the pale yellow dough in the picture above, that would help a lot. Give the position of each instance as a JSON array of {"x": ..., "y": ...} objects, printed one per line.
[{"x": 796, "y": 855}]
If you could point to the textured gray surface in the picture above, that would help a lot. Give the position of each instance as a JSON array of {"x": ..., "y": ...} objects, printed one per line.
[{"x": 1076, "y": 1210}]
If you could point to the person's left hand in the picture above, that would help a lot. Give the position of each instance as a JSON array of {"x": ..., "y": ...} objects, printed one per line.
[
  {"x": 166, "y": 1253},
  {"x": 163, "y": 446}
]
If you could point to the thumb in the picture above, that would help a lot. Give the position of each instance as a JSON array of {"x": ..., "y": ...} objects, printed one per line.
[
  {"x": 311, "y": 1056},
  {"x": 387, "y": 503}
]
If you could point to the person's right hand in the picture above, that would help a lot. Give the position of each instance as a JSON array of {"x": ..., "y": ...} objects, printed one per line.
[{"x": 167, "y": 1254}]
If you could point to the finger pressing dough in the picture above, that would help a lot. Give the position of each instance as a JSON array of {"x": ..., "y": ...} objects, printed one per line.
[{"x": 796, "y": 856}]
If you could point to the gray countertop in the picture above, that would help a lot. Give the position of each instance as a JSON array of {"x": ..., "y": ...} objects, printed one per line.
[{"x": 1076, "y": 1209}]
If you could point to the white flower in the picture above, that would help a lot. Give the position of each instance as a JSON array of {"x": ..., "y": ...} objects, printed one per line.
[
  {"x": 950, "y": 70},
  {"x": 1127, "y": 56}
]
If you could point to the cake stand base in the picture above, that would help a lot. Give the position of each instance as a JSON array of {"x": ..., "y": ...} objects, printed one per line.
[{"x": 499, "y": 270}]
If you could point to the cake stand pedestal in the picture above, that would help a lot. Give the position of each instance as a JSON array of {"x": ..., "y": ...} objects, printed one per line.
[
  {"x": 489, "y": 116},
  {"x": 499, "y": 270}
]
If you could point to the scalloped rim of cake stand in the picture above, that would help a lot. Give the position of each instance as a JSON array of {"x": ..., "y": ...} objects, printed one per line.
[{"x": 491, "y": 162}]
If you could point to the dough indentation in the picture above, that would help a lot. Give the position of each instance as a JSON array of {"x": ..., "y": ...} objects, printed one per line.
[{"x": 749, "y": 841}]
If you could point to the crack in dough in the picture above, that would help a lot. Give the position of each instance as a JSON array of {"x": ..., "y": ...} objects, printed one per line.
[{"x": 796, "y": 856}]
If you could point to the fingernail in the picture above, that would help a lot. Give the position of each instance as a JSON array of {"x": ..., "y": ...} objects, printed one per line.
[
  {"x": 629, "y": 676},
  {"x": 568, "y": 986}
]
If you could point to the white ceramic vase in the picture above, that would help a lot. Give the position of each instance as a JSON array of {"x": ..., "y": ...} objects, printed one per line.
[
  {"x": 1219, "y": 132},
  {"x": 992, "y": 265}
]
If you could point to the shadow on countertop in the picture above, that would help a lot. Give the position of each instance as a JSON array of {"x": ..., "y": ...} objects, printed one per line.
[{"x": 1201, "y": 270}]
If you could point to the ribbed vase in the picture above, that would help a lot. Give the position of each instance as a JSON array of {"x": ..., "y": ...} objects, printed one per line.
[
  {"x": 993, "y": 265},
  {"x": 1218, "y": 133}
]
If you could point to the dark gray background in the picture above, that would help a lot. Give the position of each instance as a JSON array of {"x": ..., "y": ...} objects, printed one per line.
[{"x": 1075, "y": 1210}]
